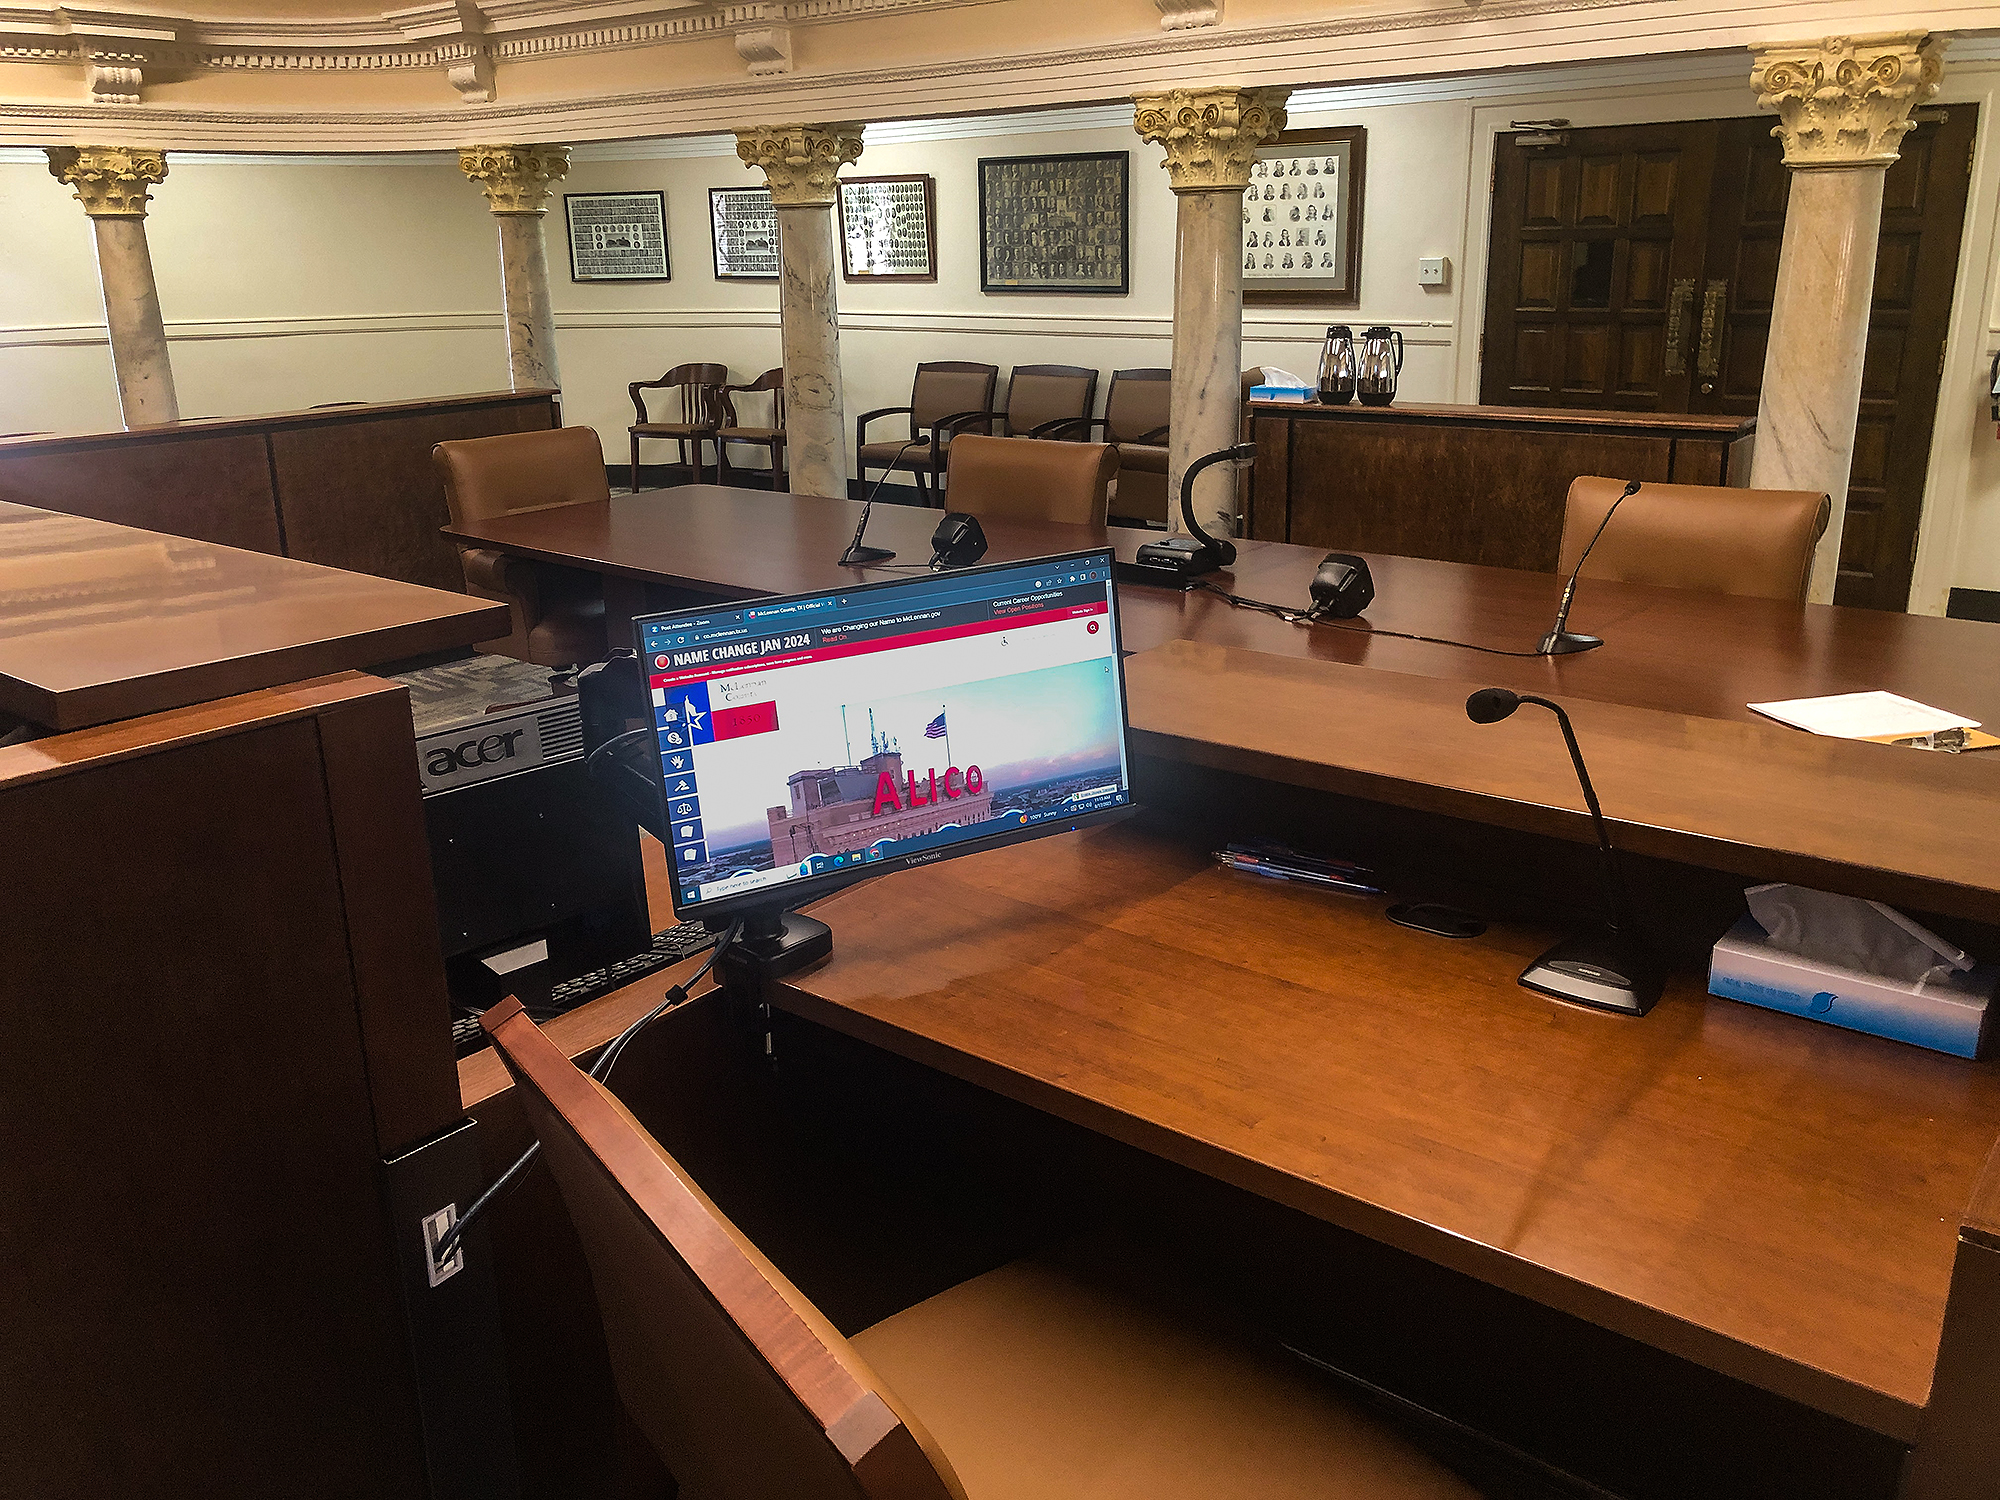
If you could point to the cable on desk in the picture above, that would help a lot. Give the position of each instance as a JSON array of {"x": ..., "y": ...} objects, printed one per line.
[
  {"x": 676, "y": 995},
  {"x": 1305, "y": 617}
]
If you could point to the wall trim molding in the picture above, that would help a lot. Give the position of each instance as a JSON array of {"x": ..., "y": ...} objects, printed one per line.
[
  {"x": 1388, "y": 44},
  {"x": 1307, "y": 327}
]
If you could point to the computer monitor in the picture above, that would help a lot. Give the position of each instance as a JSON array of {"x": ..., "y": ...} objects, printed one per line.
[{"x": 811, "y": 741}]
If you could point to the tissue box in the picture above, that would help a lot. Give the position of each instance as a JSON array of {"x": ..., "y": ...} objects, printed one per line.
[
  {"x": 1296, "y": 393},
  {"x": 1946, "y": 1015}
]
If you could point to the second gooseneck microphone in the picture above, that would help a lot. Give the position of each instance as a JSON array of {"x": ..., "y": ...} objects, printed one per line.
[
  {"x": 1560, "y": 641},
  {"x": 856, "y": 555}
]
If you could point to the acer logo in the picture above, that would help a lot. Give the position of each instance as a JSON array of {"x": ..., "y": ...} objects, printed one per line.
[{"x": 485, "y": 751}]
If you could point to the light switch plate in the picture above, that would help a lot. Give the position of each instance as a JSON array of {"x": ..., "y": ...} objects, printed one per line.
[{"x": 1433, "y": 270}]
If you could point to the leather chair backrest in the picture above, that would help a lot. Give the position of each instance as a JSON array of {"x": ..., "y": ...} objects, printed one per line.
[
  {"x": 1140, "y": 401},
  {"x": 1031, "y": 479},
  {"x": 1043, "y": 393},
  {"x": 1757, "y": 543},
  {"x": 949, "y": 387},
  {"x": 495, "y": 476},
  {"x": 736, "y": 1379}
]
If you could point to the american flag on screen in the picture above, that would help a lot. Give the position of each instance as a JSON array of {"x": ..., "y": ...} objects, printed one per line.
[{"x": 935, "y": 729}]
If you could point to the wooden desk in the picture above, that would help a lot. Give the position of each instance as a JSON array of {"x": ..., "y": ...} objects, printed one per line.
[
  {"x": 1474, "y": 484},
  {"x": 1771, "y": 1199},
  {"x": 102, "y": 622}
]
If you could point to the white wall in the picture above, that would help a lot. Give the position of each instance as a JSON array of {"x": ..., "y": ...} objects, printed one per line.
[{"x": 289, "y": 285}]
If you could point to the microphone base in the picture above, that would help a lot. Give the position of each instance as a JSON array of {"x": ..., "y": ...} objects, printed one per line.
[
  {"x": 859, "y": 557},
  {"x": 1563, "y": 643},
  {"x": 1603, "y": 970}
]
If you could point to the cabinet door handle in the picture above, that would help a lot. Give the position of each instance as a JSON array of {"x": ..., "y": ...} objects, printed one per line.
[
  {"x": 1678, "y": 303},
  {"x": 1714, "y": 300}
]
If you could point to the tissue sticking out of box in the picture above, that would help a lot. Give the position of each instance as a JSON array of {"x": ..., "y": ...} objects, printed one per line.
[{"x": 1850, "y": 933}]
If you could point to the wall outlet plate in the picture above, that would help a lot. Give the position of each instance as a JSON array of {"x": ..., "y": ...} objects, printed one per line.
[{"x": 1434, "y": 270}]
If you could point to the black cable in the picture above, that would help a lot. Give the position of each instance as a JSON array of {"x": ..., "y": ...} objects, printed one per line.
[
  {"x": 600, "y": 1070},
  {"x": 1306, "y": 617}
]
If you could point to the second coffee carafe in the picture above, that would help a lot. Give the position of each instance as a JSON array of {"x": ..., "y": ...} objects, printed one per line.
[
  {"x": 1377, "y": 365},
  {"x": 1336, "y": 367}
]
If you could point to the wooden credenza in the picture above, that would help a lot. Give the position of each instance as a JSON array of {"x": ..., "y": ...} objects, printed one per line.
[
  {"x": 1471, "y": 484},
  {"x": 347, "y": 486}
]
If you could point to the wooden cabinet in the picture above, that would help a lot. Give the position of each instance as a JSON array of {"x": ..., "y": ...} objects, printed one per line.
[{"x": 1471, "y": 484}]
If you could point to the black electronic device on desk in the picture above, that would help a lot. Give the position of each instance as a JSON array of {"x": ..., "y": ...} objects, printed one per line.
[
  {"x": 537, "y": 872},
  {"x": 805, "y": 743},
  {"x": 1178, "y": 561}
]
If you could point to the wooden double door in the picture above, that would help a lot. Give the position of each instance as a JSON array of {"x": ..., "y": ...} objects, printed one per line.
[{"x": 1633, "y": 269}]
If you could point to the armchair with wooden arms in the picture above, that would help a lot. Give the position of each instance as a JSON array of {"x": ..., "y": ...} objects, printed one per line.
[
  {"x": 947, "y": 397},
  {"x": 700, "y": 387},
  {"x": 733, "y": 429},
  {"x": 1135, "y": 417},
  {"x": 558, "y": 612}
]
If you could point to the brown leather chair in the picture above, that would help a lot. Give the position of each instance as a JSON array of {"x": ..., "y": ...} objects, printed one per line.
[
  {"x": 947, "y": 397},
  {"x": 1135, "y": 418},
  {"x": 1047, "y": 1378},
  {"x": 1047, "y": 401},
  {"x": 1032, "y": 479},
  {"x": 1720, "y": 540},
  {"x": 772, "y": 437},
  {"x": 701, "y": 414},
  {"x": 558, "y": 612}
]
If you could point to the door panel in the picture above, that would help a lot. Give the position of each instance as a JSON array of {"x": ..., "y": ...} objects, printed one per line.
[
  {"x": 1594, "y": 236},
  {"x": 1635, "y": 268}
]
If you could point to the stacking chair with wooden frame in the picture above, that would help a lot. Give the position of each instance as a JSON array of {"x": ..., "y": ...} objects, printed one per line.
[
  {"x": 1717, "y": 538},
  {"x": 1135, "y": 417},
  {"x": 1043, "y": 1379},
  {"x": 772, "y": 437},
  {"x": 701, "y": 420},
  {"x": 947, "y": 397}
]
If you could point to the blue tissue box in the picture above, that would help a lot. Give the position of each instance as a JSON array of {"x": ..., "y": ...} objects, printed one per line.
[{"x": 1946, "y": 1015}]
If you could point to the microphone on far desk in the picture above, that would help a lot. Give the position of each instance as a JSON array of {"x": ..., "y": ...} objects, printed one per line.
[
  {"x": 1559, "y": 641},
  {"x": 856, "y": 555},
  {"x": 1610, "y": 969}
]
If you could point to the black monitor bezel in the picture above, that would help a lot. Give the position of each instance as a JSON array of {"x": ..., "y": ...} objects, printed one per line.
[{"x": 792, "y": 894}]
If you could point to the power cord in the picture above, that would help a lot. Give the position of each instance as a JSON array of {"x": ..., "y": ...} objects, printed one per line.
[
  {"x": 1307, "y": 617},
  {"x": 676, "y": 995}
]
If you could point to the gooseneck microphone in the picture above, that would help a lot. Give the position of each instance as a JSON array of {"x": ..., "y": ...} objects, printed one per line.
[
  {"x": 1559, "y": 641},
  {"x": 856, "y": 555},
  {"x": 1610, "y": 969}
]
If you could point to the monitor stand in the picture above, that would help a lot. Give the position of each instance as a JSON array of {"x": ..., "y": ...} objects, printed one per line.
[{"x": 775, "y": 942}]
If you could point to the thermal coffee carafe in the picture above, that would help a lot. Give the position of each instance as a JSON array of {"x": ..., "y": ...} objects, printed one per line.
[
  {"x": 1336, "y": 367},
  {"x": 1377, "y": 366}
]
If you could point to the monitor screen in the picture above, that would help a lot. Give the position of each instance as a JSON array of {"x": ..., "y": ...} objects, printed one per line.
[{"x": 808, "y": 741}]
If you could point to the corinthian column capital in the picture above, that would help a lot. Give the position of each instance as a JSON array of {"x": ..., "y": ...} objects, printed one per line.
[
  {"x": 801, "y": 162},
  {"x": 110, "y": 181},
  {"x": 1210, "y": 135},
  {"x": 1846, "y": 101},
  {"x": 515, "y": 179}
]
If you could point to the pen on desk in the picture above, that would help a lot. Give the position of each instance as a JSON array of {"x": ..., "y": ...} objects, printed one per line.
[
  {"x": 1291, "y": 859},
  {"x": 1255, "y": 866}
]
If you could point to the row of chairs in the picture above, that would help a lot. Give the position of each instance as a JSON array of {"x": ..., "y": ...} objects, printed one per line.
[{"x": 948, "y": 398}]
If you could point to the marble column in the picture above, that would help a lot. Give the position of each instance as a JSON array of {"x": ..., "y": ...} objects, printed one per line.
[
  {"x": 1843, "y": 106},
  {"x": 1210, "y": 137},
  {"x": 802, "y": 164},
  {"x": 111, "y": 183},
  {"x": 517, "y": 181}
]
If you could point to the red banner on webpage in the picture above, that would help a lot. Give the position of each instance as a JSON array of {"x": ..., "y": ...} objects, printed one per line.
[
  {"x": 751, "y": 718},
  {"x": 698, "y": 671}
]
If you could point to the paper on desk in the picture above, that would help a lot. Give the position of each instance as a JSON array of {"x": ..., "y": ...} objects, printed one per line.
[{"x": 1863, "y": 716}]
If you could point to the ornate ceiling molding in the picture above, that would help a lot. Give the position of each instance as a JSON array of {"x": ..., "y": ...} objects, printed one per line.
[{"x": 1438, "y": 44}]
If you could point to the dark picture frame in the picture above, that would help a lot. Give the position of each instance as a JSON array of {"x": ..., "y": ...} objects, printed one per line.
[
  {"x": 867, "y": 187},
  {"x": 1341, "y": 287},
  {"x": 652, "y": 237},
  {"x": 1021, "y": 197},
  {"x": 734, "y": 261}
]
